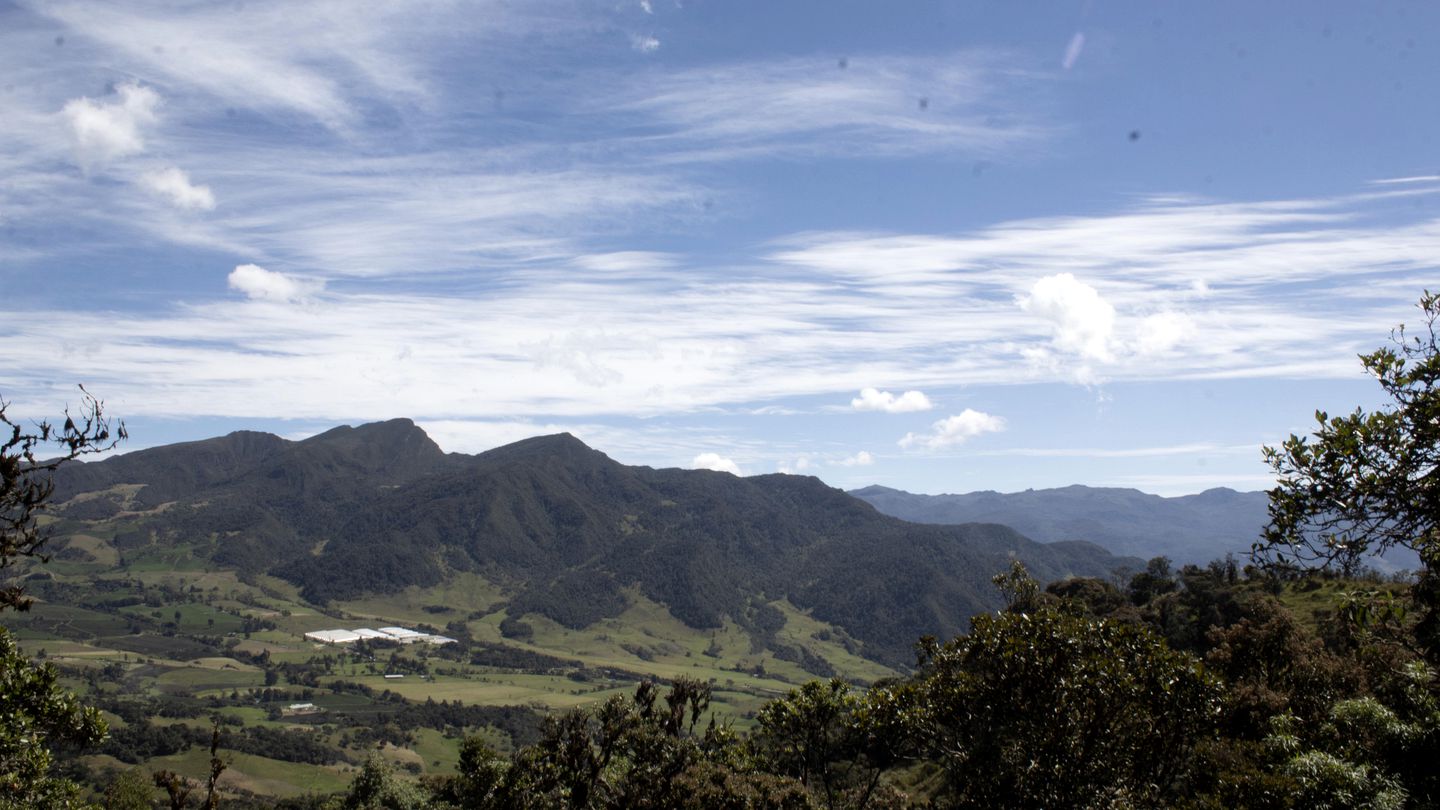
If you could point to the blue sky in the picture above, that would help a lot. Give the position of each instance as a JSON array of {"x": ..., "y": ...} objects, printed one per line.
[{"x": 939, "y": 246}]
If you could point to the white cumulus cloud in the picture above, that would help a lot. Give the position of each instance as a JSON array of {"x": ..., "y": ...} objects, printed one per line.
[
  {"x": 1163, "y": 331},
  {"x": 860, "y": 459},
  {"x": 260, "y": 284},
  {"x": 716, "y": 462},
  {"x": 645, "y": 44},
  {"x": 103, "y": 132},
  {"x": 796, "y": 467},
  {"x": 1083, "y": 321},
  {"x": 955, "y": 430},
  {"x": 871, "y": 399},
  {"x": 174, "y": 185}
]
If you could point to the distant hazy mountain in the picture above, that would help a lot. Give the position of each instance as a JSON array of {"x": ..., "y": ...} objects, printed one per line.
[
  {"x": 1189, "y": 528},
  {"x": 563, "y": 528}
]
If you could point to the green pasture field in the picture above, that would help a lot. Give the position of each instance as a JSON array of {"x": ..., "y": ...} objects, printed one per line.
[
  {"x": 551, "y": 692},
  {"x": 438, "y": 754},
  {"x": 352, "y": 704},
  {"x": 201, "y": 680},
  {"x": 64, "y": 650},
  {"x": 64, "y": 621},
  {"x": 253, "y": 716},
  {"x": 173, "y": 648},
  {"x": 193, "y": 618},
  {"x": 261, "y": 775}
]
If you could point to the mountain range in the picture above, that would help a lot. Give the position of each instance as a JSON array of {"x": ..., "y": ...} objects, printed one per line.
[
  {"x": 560, "y": 528},
  {"x": 1187, "y": 529}
]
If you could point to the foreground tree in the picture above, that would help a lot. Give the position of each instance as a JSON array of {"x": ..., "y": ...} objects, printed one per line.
[
  {"x": 837, "y": 742},
  {"x": 1047, "y": 708},
  {"x": 644, "y": 752},
  {"x": 378, "y": 787},
  {"x": 1365, "y": 482},
  {"x": 28, "y": 455},
  {"x": 35, "y": 711},
  {"x": 1368, "y": 482}
]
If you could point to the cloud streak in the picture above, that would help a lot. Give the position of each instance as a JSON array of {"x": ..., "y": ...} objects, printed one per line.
[
  {"x": 973, "y": 106},
  {"x": 575, "y": 342}
]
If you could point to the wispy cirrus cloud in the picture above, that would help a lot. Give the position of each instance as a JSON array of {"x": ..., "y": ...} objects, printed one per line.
[
  {"x": 1191, "y": 449},
  {"x": 323, "y": 60},
  {"x": 395, "y": 166},
  {"x": 807, "y": 107},
  {"x": 1224, "y": 286},
  {"x": 1189, "y": 241},
  {"x": 725, "y": 336}
]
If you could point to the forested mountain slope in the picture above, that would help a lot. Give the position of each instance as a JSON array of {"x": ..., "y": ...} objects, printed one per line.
[{"x": 562, "y": 527}]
